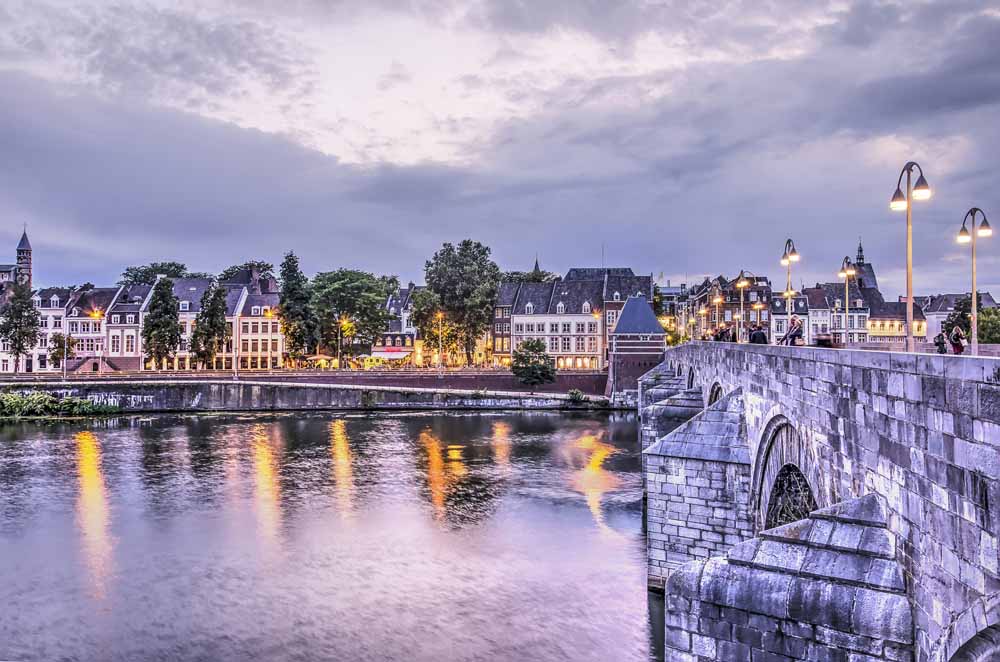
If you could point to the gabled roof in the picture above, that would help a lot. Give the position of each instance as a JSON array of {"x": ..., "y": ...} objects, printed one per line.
[
  {"x": 93, "y": 299},
  {"x": 537, "y": 294},
  {"x": 637, "y": 317},
  {"x": 269, "y": 300},
  {"x": 507, "y": 293},
  {"x": 24, "y": 244},
  {"x": 945, "y": 303},
  {"x": 573, "y": 294},
  {"x": 191, "y": 290},
  {"x": 596, "y": 273},
  {"x": 131, "y": 298},
  {"x": 628, "y": 286}
]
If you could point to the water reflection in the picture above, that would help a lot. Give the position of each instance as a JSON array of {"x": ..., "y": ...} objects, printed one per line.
[
  {"x": 593, "y": 480},
  {"x": 92, "y": 512},
  {"x": 343, "y": 471},
  {"x": 501, "y": 445},
  {"x": 437, "y": 480},
  {"x": 267, "y": 489}
]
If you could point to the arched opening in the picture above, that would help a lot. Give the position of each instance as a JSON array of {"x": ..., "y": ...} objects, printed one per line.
[
  {"x": 791, "y": 498},
  {"x": 690, "y": 378},
  {"x": 714, "y": 394},
  {"x": 984, "y": 647}
]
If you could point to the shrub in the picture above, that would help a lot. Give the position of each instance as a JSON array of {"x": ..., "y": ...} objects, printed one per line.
[
  {"x": 36, "y": 403},
  {"x": 576, "y": 395}
]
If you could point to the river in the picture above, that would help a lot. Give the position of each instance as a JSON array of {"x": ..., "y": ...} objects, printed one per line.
[{"x": 419, "y": 537}]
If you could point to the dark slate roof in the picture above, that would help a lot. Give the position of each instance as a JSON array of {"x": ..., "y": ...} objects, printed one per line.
[
  {"x": 866, "y": 275},
  {"x": 46, "y": 294},
  {"x": 800, "y": 305},
  {"x": 894, "y": 310},
  {"x": 233, "y": 294},
  {"x": 395, "y": 326},
  {"x": 628, "y": 286},
  {"x": 8, "y": 267},
  {"x": 835, "y": 291},
  {"x": 97, "y": 298},
  {"x": 245, "y": 277},
  {"x": 945, "y": 303},
  {"x": 538, "y": 294},
  {"x": 24, "y": 244},
  {"x": 637, "y": 317},
  {"x": 131, "y": 299},
  {"x": 596, "y": 273},
  {"x": 507, "y": 293},
  {"x": 816, "y": 297},
  {"x": 191, "y": 290},
  {"x": 573, "y": 294},
  {"x": 270, "y": 300}
]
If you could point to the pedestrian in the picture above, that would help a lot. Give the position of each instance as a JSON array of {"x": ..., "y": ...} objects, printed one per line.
[
  {"x": 958, "y": 340},
  {"x": 794, "y": 334},
  {"x": 757, "y": 335},
  {"x": 941, "y": 343}
]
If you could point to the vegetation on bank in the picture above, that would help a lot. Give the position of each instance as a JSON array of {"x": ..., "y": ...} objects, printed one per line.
[{"x": 37, "y": 404}]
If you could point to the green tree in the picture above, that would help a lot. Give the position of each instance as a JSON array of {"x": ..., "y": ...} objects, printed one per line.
[
  {"x": 357, "y": 296},
  {"x": 161, "y": 328},
  {"x": 989, "y": 325},
  {"x": 59, "y": 342},
  {"x": 211, "y": 330},
  {"x": 266, "y": 270},
  {"x": 532, "y": 365},
  {"x": 465, "y": 280},
  {"x": 295, "y": 310},
  {"x": 962, "y": 315},
  {"x": 20, "y": 324},
  {"x": 426, "y": 306},
  {"x": 146, "y": 274}
]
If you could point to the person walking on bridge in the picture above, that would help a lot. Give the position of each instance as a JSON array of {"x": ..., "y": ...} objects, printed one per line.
[
  {"x": 758, "y": 336},
  {"x": 958, "y": 339},
  {"x": 794, "y": 334}
]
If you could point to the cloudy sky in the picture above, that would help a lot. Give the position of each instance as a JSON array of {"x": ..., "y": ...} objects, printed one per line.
[{"x": 687, "y": 138}]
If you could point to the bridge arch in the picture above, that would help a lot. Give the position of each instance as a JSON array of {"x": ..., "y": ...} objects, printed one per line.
[
  {"x": 690, "y": 382},
  {"x": 714, "y": 394},
  {"x": 785, "y": 477},
  {"x": 974, "y": 635}
]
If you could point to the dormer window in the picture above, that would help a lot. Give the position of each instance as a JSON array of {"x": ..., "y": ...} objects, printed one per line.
[
  {"x": 617, "y": 296},
  {"x": 586, "y": 306},
  {"x": 130, "y": 319},
  {"x": 529, "y": 309},
  {"x": 116, "y": 319},
  {"x": 37, "y": 301},
  {"x": 859, "y": 303},
  {"x": 54, "y": 302},
  {"x": 392, "y": 310},
  {"x": 75, "y": 312},
  {"x": 560, "y": 308},
  {"x": 185, "y": 305},
  {"x": 255, "y": 310}
]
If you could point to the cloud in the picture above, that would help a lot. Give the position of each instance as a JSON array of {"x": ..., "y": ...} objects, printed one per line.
[{"x": 397, "y": 75}]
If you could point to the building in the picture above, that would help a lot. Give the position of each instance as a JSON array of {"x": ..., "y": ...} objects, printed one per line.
[
  {"x": 637, "y": 345},
  {"x": 506, "y": 296},
  {"x": 887, "y": 320},
  {"x": 400, "y": 342},
  {"x": 707, "y": 315},
  {"x": 124, "y": 325},
  {"x": 85, "y": 319},
  {"x": 780, "y": 318},
  {"x": 51, "y": 303},
  {"x": 938, "y": 307},
  {"x": 566, "y": 316}
]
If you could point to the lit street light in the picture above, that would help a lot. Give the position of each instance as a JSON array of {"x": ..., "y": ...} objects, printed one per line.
[
  {"x": 717, "y": 300},
  {"x": 787, "y": 258},
  {"x": 440, "y": 317},
  {"x": 743, "y": 283},
  {"x": 966, "y": 237},
  {"x": 846, "y": 271},
  {"x": 920, "y": 191}
]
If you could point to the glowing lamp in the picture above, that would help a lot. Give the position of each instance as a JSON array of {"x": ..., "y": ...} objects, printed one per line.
[
  {"x": 898, "y": 202},
  {"x": 921, "y": 190}
]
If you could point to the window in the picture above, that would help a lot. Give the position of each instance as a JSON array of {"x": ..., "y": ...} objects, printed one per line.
[
  {"x": 565, "y": 344},
  {"x": 45, "y": 322},
  {"x": 580, "y": 327},
  {"x": 185, "y": 305},
  {"x": 255, "y": 311},
  {"x": 56, "y": 322},
  {"x": 54, "y": 302},
  {"x": 130, "y": 319},
  {"x": 37, "y": 301},
  {"x": 566, "y": 327},
  {"x": 560, "y": 308},
  {"x": 496, "y": 329},
  {"x": 580, "y": 343},
  {"x": 729, "y": 315},
  {"x": 255, "y": 328},
  {"x": 84, "y": 327},
  {"x": 97, "y": 327},
  {"x": 497, "y": 342},
  {"x": 519, "y": 328},
  {"x": 274, "y": 328},
  {"x": 129, "y": 343},
  {"x": 245, "y": 327},
  {"x": 553, "y": 344},
  {"x": 612, "y": 318},
  {"x": 5, "y": 365},
  {"x": 753, "y": 296},
  {"x": 779, "y": 326},
  {"x": 586, "y": 306},
  {"x": 529, "y": 309},
  {"x": 506, "y": 328},
  {"x": 274, "y": 345},
  {"x": 409, "y": 341},
  {"x": 245, "y": 345},
  {"x": 267, "y": 309},
  {"x": 617, "y": 296},
  {"x": 254, "y": 345},
  {"x": 73, "y": 327},
  {"x": 399, "y": 342},
  {"x": 116, "y": 344},
  {"x": 554, "y": 327},
  {"x": 530, "y": 328},
  {"x": 506, "y": 344},
  {"x": 498, "y": 312},
  {"x": 116, "y": 319},
  {"x": 591, "y": 344},
  {"x": 591, "y": 327}
]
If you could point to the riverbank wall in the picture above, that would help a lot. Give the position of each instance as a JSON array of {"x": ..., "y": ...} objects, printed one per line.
[{"x": 133, "y": 396}]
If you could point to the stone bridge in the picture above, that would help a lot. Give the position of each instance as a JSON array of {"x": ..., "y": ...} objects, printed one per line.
[{"x": 820, "y": 504}]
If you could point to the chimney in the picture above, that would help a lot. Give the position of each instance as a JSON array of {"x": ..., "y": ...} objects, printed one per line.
[{"x": 255, "y": 279}]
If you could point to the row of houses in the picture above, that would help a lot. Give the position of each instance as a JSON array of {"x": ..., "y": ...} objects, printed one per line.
[{"x": 106, "y": 323}]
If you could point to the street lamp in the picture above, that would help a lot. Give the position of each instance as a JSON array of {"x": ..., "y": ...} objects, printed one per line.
[
  {"x": 703, "y": 312},
  {"x": 920, "y": 191},
  {"x": 97, "y": 314},
  {"x": 440, "y": 318},
  {"x": 966, "y": 237},
  {"x": 717, "y": 299},
  {"x": 742, "y": 283},
  {"x": 341, "y": 323},
  {"x": 787, "y": 258},
  {"x": 846, "y": 271},
  {"x": 758, "y": 306}
]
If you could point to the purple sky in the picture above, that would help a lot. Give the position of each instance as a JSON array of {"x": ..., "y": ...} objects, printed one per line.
[{"x": 688, "y": 138}]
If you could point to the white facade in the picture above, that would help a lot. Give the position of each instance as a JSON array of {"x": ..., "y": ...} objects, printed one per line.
[{"x": 574, "y": 341}]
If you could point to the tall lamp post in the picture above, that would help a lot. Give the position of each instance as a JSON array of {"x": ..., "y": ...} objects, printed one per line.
[
  {"x": 717, "y": 300},
  {"x": 440, "y": 318},
  {"x": 846, "y": 271},
  {"x": 742, "y": 283},
  {"x": 965, "y": 237},
  {"x": 341, "y": 323},
  {"x": 97, "y": 315},
  {"x": 919, "y": 191},
  {"x": 758, "y": 306},
  {"x": 703, "y": 312},
  {"x": 787, "y": 258}
]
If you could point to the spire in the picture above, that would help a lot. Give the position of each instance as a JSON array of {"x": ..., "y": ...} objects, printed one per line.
[
  {"x": 536, "y": 269},
  {"x": 24, "y": 244},
  {"x": 861, "y": 253}
]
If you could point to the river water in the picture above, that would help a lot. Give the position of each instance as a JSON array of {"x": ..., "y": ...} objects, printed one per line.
[{"x": 417, "y": 537}]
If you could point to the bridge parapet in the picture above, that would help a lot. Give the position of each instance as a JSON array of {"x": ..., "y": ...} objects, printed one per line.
[{"x": 921, "y": 431}]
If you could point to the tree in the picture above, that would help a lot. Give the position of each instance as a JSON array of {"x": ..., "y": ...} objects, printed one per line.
[
  {"x": 989, "y": 325},
  {"x": 161, "y": 328},
  {"x": 532, "y": 365},
  {"x": 962, "y": 315},
  {"x": 21, "y": 322},
  {"x": 529, "y": 276},
  {"x": 211, "y": 330},
  {"x": 657, "y": 300},
  {"x": 266, "y": 270},
  {"x": 465, "y": 280},
  {"x": 59, "y": 342},
  {"x": 356, "y": 296},
  {"x": 146, "y": 274},
  {"x": 295, "y": 312},
  {"x": 426, "y": 306}
]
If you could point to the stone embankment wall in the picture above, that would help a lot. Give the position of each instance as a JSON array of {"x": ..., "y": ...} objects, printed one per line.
[
  {"x": 195, "y": 396},
  {"x": 922, "y": 432}
]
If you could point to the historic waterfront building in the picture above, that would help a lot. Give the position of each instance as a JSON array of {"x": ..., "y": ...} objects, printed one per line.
[
  {"x": 717, "y": 301},
  {"x": 124, "y": 325},
  {"x": 51, "y": 303},
  {"x": 400, "y": 342},
  {"x": 85, "y": 319},
  {"x": 637, "y": 345}
]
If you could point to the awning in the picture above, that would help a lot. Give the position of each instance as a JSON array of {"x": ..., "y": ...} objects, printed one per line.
[{"x": 392, "y": 353}]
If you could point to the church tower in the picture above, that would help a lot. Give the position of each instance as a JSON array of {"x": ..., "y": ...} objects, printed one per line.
[
  {"x": 24, "y": 259},
  {"x": 861, "y": 253}
]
